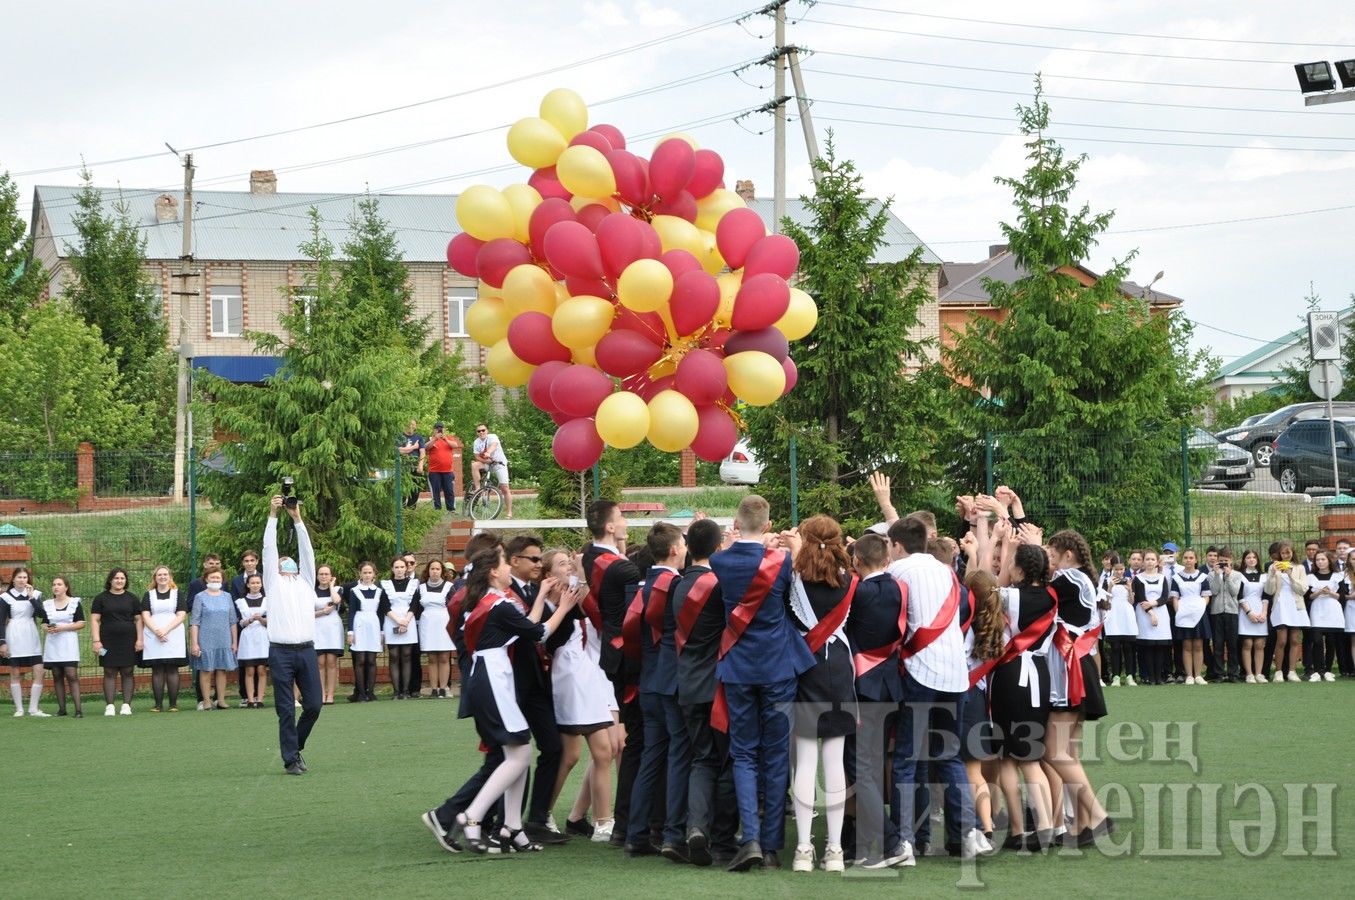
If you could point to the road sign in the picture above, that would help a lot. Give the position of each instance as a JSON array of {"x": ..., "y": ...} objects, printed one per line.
[
  {"x": 1324, "y": 335},
  {"x": 1325, "y": 380}
]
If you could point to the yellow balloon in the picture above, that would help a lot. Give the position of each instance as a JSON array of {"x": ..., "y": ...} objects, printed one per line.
[
  {"x": 710, "y": 257},
  {"x": 523, "y": 199},
  {"x": 585, "y": 356},
  {"x": 801, "y": 316},
  {"x": 585, "y": 171},
  {"x": 526, "y": 288},
  {"x": 566, "y": 111},
  {"x": 712, "y": 207},
  {"x": 561, "y": 293},
  {"x": 504, "y": 366},
  {"x": 484, "y": 213},
  {"x": 729, "y": 283},
  {"x": 535, "y": 143},
  {"x": 681, "y": 136},
  {"x": 622, "y": 420},
  {"x": 678, "y": 234},
  {"x": 487, "y": 321},
  {"x": 610, "y": 203},
  {"x": 486, "y": 291},
  {"x": 582, "y": 321},
  {"x": 645, "y": 285},
  {"x": 755, "y": 377},
  {"x": 672, "y": 421}
]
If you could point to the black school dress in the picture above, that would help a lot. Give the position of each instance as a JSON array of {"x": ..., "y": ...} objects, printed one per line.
[
  {"x": 490, "y": 695},
  {"x": 830, "y": 687},
  {"x": 1021, "y": 711},
  {"x": 118, "y": 628},
  {"x": 1077, "y": 609}
]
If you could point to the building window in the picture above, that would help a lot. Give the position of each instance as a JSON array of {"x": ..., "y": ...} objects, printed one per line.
[
  {"x": 458, "y": 303},
  {"x": 156, "y": 301},
  {"x": 228, "y": 310},
  {"x": 305, "y": 302}
]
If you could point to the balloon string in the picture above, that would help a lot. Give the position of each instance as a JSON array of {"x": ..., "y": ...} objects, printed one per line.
[{"x": 729, "y": 411}]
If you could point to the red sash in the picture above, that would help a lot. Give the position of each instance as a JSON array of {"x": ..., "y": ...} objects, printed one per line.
[
  {"x": 692, "y": 606},
  {"x": 869, "y": 659},
  {"x": 1022, "y": 642},
  {"x": 475, "y": 623},
  {"x": 454, "y": 612},
  {"x": 817, "y": 636},
  {"x": 654, "y": 611},
  {"x": 739, "y": 619},
  {"x": 590, "y": 602},
  {"x": 923, "y": 637},
  {"x": 1072, "y": 650}
]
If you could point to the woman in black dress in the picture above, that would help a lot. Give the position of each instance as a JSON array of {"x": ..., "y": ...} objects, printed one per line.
[
  {"x": 825, "y": 696},
  {"x": 115, "y": 626}
]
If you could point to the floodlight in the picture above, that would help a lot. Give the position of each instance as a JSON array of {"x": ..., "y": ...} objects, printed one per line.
[
  {"x": 1315, "y": 76},
  {"x": 1345, "y": 68}
]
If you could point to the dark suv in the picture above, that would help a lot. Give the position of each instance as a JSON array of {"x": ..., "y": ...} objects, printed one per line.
[
  {"x": 1258, "y": 438},
  {"x": 1302, "y": 456}
]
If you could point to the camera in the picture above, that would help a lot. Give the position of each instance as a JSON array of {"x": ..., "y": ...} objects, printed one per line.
[{"x": 288, "y": 498}]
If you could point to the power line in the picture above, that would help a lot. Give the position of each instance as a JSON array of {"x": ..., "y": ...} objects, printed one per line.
[{"x": 1134, "y": 34}]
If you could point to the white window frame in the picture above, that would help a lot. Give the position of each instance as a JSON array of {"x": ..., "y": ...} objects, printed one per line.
[
  {"x": 459, "y": 300},
  {"x": 305, "y": 299},
  {"x": 222, "y": 295}
]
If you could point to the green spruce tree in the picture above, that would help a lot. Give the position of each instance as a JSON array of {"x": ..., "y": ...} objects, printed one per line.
[{"x": 21, "y": 276}]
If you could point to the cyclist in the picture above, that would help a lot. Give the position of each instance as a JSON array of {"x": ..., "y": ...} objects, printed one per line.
[{"x": 489, "y": 457}]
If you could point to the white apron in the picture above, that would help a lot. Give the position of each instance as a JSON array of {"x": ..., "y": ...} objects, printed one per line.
[
  {"x": 1285, "y": 609},
  {"x": 1119, "y": 618},
  {"x": 1155, "y": 590},
  {"x": 399, "y": 606},
  {"x": 433, "y": 621},
  {"x": 328, "y": 626},
  {"x": 162, "y": 614},
  {"x": 254, "y": 637},
  {"x": 1250, "y": 597},
  {"x": 579, "y": 687},
  {"x": 62, "y": 648},
  {"x": 21, "y": 631},
  {"x": 1192, "y": 605},
  {"x": 366, "y": 628}
]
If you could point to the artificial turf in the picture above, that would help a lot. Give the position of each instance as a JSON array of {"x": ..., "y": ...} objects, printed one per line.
[{"x": 196, "y": 804}]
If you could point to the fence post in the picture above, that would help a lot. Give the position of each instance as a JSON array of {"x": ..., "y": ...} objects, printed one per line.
[
  {"x": 1185, "y": 480},
  {"x": 597, "y": 483},
  {"x": 988, "y": 462},
  {"x": 794, "y": 485},
  {"x": 192, "y": 508},
  {"x": 399, "y": 508}
]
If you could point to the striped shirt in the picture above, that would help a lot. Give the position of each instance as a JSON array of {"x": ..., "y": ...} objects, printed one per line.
[{"x": 942, "y": 665}]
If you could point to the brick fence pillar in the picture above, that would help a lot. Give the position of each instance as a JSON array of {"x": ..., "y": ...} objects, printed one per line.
[
  {"x": 688, "y": 469},
  {"x": 84, "y": 476}
]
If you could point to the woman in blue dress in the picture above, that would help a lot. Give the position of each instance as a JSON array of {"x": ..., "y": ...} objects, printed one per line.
[{"x": 215, "y": 638}]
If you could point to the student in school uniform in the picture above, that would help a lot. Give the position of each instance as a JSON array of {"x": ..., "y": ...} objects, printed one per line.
[
  {"x": 1326, "y": 596},
  {"x": 434, "y": 637},
  {"x": 252, "y": 611},
  {"x": 21, "y": 608},
  {"x": 328, "y": 631},
  {"x": 367, "y": 603},
  {"x": 1225, "y": 582},
  {"x": 1191, "y": 602},
  {"x": 1287, "y": 585},
  {"x": 61, "y": 648},
  {"x": 1253, "y": 615},
  {"x": 1121, "y": 630},
  {"x": 163, "y": 636},
  {"x": 239, "y": 586},
  {"x": 493, "y": 623},
  {"x": 398, "y": 625},
  {"x": 1152, "y": 595},
  {"x": 1347, "y": 666}
]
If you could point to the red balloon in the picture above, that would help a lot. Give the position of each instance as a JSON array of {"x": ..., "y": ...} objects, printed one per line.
[
  {"x": 623, "y": 239},
  {"x": 716, "y": 339},
  {"x": 560, "y": 418},
  {"x": 648, "y": 325},
  {"x": 539, "y": 385},
  {"x": 572, "y": 249},
  {"x": 767, "y": 340},
  {"x": 591, "y": 287},
  {"x": 696, "y": 297},
  {"x": 546, "y": 214},
  {"x": 632, "y": 184},
  {"x": 548, "y": 185},
  {"x": 707, "y": 172},
  {"x": 738, "y": 231},
  {"x": 729, "y": 400},
  {"x": 579, "y": 390},
  {"x": 612, "y": 134},
  {"x": 701, "y": 376},
  {"x": 498, "y": 256},
  {"x": 576, "y": 445},
  {"x": 680, "y": 261},
  {"x": 531, "y": 340},
  {"x": 625, "y": 352},
  {"x": 716, "y": 434},
  {"x": 595, "y": 139},
  {"x": 671, "y": 167},
  {"x": 761, "y": 302},
  {"x": 648, "y": 390},
  {"x": 683, "y": 206},
  {"x": 792, "y": 374},
  {"x": 775, "y": 253},
  {"x": 592, "y": 215},
  {"x": 461, "y": 253}
]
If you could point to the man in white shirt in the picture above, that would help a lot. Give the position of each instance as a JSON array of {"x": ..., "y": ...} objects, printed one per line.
[
  {"x": 489, "y": 456},
  {"x": 935, "y": 678},
  {"x": 289, "y": 585}
]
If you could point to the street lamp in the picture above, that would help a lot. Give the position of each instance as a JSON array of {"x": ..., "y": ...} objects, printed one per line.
[{"x": 1318, "y": 83}]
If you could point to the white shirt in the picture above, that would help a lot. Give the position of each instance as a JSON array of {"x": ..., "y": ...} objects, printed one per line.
[
  {"x": 942, "y": 664},
  {"x": 291, "y": 598},
  {"x": 490, "y": 440}
]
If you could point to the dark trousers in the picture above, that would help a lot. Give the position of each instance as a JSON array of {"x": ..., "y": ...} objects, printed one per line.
[
  {"x": 294, "y": 666},
  {"x": 443, "y": 483},
  {"x": 1119, "y": 658},
  {"x": 711, "y": 807},
  {"x": 538, "y": 708},
  {"x": 865, "y": 756},
  {"x": 1343, "y": 654},
  {"x": 667, "y": 750},
  {"x": 759, "y": 744},
  {"x": 1224, "y": 626},
  {"x": 1321, "y": 648},
  {"x": 633, "y": 720},
  {"x": 457, "y": 803},
  {"x": 929, "y": 724}
]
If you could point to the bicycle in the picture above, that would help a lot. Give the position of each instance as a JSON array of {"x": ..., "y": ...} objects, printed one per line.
[{"x": 485, "y": 502}]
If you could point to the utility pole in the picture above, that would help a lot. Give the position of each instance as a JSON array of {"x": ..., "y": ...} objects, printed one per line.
[
  {"x": 802, "y": 100},
  {"x": 779, "y": 129},
  {"x": 182, "y": 295}
]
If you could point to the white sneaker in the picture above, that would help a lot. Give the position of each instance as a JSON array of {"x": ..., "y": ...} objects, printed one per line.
[
  {"x": 973, "y": 844},
  {"x": 1314, "y": 677},
  {"x": 833, "y": 860},
  {"x": 1199, "y": 679},
  {"x": 602, "y": 830},
  {"x": 1262, "y": 679},
  {"x": 1190, "y": 679},
  {"x": 126, "y": 709},
  {"x": 1326, "y": 676},
  {"x": 110, "y": 710},
  {"x": 201, "y": 706},
  {"x": 18, "y": 712},
  {"x": 1130, "y": 682},
  {"x": 1294, "y": 676},
  {"x": 1115, "y": 682},
  {"x": 550, "y": 823},
  {"x": 804, "y": 859},
  {"x": 39, "y": 713},
  {"x": 903, "y": 857},
  {"x": 1251, "y": 679}
]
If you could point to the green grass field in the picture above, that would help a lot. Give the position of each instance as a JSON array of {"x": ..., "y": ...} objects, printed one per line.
[{"x": 197, "y": 804}]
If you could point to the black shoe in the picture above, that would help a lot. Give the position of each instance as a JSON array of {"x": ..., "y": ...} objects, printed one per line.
[
  {"x": 698, "y": 847},
  {"x": 355, "y": 698},
  {"x": 445, "y": 841},
  {"x": 618, "y": 838},
  {"x": 581, "y": 827},
  {"x": 721, "y": 859},
  {"x": 543, "y": 835},
  {"x": 770, "y": 860},
  {"x": 60, "y": 712},
  {"x": 399, "y": 695},
  {"x": 674, "y": 853},
  {"x": 302, "y": 763},
  {"x": 294, "y": 768},
  {"x": 644, "y": 849},
  {"x": 748, "y": 855},
  {"x": 78, "y": 715},
  {"x": 518, "y": 842}
]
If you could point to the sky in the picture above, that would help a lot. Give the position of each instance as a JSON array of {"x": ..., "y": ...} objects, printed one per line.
[{"x": 1195, "y": 132}]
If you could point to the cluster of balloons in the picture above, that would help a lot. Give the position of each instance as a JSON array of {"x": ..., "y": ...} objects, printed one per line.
[{"x": 603, "y": 289}]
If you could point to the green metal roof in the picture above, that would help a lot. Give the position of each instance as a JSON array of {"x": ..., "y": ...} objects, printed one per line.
[{"x": 8, "y": 530}]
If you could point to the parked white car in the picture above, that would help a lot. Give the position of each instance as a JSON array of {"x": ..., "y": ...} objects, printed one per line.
[{"x": 741, "y": 466}]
